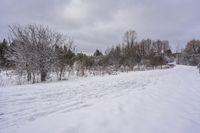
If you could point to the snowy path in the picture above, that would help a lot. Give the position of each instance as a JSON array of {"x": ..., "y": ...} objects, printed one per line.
[{"x": 161, "y": 101}]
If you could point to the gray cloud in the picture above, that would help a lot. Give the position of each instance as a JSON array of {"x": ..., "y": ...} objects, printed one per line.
[{"x": 101, "y": 23}]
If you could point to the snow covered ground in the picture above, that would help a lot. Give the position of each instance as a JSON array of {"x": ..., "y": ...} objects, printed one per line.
[{"x": 157, "y": 101}]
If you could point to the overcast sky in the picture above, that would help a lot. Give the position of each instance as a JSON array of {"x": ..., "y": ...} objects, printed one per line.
[{"x": 101, "y": 23}]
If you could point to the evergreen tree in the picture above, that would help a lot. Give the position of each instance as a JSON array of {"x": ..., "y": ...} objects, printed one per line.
[
  {"x": 98, "y": 53},
  {"x": 3, "y": 50}
]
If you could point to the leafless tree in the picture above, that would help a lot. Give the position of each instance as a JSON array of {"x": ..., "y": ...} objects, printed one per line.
[
  {"x": 32, "y": 49},
  {"x": 130, "y": 37},
  {"x": 191, "y": 54}
]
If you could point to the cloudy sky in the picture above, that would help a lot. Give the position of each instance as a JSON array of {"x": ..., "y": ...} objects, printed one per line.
[{"x": 101, "y": 23}]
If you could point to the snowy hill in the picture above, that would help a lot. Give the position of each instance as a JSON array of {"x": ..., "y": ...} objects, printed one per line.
[{"x": 157, "y": 101}]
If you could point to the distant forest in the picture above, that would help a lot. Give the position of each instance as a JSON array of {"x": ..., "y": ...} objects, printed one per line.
[{"x": 36, "y": 50}]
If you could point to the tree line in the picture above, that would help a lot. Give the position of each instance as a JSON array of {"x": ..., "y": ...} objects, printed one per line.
[
  {"x": 191, "y": 54},
  {"x": 36, "y": 50}
]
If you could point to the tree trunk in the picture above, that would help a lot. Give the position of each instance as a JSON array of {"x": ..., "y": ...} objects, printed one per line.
[
  {"x": 29, "y": 76},
  {"x": 61, "y": 72},
  {"x": 43, "y": 76},
  {"x": 33, "y": 78}
]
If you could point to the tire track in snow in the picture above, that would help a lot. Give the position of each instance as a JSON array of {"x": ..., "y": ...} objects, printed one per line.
[{"x": 28, "y": 102}]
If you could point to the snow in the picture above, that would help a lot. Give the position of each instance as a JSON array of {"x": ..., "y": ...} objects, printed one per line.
[{"x": 156, "y": 101}]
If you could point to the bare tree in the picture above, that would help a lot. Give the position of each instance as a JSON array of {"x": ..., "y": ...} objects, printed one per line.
[
  {"x": 130, "y": 37},
  {"x": 191, "y": 54},
  {"x": 32, "y": 49}
]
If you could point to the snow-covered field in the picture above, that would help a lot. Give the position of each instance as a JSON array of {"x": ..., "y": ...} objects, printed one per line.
[{"x": 157, "y": 101}]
